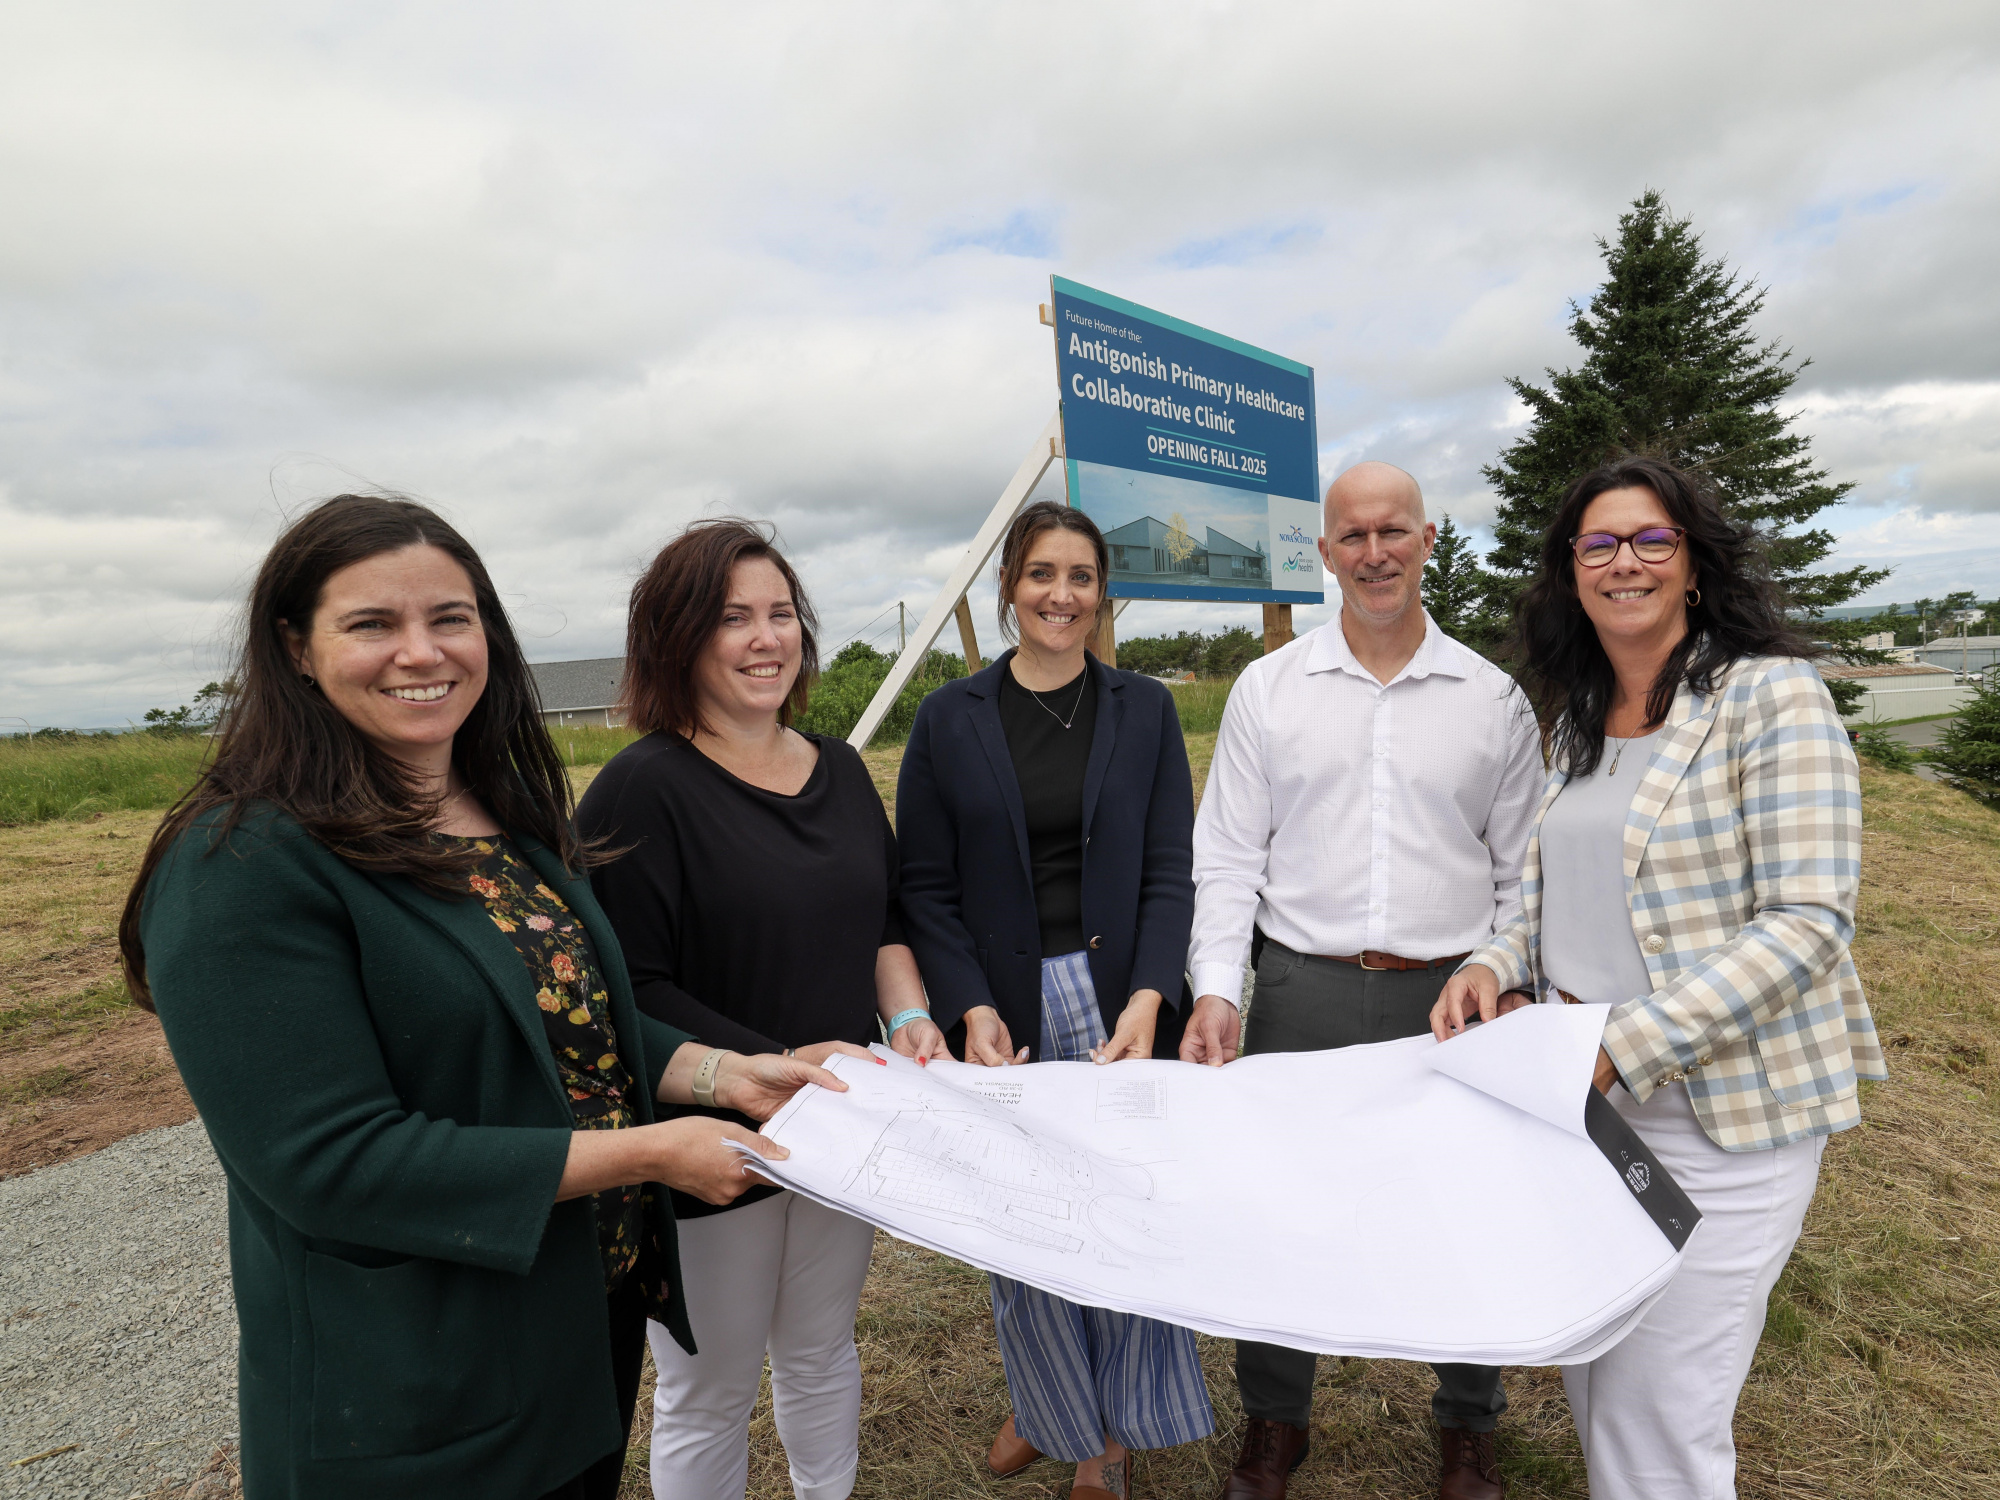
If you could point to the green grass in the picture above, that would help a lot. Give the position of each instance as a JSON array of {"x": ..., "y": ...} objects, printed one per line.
[
  {"x": 41, "y": 780},
  {"x": 590, "y": 745},
  {"x": 106, "y": 998},
  {"x": 45, "y": 779},
  {"x": 1199, "y": 703}
]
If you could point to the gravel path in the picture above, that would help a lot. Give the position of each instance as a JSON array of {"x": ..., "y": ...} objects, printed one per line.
[{"x": 117, "y": 1332}]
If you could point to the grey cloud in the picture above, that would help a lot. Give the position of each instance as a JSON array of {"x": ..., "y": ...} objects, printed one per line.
[{"x": 580, "y": 276}]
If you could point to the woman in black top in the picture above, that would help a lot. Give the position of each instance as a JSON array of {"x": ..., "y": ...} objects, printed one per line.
[
  {"x": 1047, "y": 824},
  {"x": 755, "y": 900}
]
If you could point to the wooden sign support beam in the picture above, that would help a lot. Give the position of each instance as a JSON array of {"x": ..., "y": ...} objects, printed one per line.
[
  {"x": 1277, "y": 626},
  {"x": 968, "y": 639}
]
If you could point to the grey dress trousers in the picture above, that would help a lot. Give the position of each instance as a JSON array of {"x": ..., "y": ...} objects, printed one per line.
[{"x": 1309, "y": 1004}]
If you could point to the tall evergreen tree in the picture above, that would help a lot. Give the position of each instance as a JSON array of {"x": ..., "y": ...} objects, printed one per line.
[
  {"x": 1672, "y": 370},
  {"x": 1455, "y": 586}
]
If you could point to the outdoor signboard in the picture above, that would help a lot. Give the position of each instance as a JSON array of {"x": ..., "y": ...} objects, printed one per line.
[{"x": 1196, "y": 454}]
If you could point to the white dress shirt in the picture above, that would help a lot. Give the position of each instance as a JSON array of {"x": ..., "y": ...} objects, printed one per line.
[{"x": 1344, "y": 815}]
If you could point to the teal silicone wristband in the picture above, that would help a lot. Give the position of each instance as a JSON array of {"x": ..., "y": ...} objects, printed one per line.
[{"x": 903, "y": 1018}]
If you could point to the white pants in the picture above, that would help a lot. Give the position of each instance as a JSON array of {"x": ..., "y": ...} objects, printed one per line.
[
  {"x": 781, "y": 1277},
  {"x": 1655, "y": 1414}
]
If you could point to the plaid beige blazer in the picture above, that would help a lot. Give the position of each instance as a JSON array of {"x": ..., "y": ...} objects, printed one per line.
[{"x": 1742, "y": 857}]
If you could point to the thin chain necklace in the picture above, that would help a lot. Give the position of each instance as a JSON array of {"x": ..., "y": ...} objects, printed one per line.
[{"x": 1082, "y": 681}]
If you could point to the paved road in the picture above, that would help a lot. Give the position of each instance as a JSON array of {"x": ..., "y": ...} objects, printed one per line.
[
  {"x": 117, "y": 1331},
  {"x": 1919, "y": 736}
]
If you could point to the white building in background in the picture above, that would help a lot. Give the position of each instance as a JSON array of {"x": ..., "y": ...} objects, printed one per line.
[
  {"x": 1900, "y": 692},
  {"x": 1961, "y": 653}
]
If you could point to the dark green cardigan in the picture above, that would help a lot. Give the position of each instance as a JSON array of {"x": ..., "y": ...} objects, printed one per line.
[{"x": 418, "y": 1316}]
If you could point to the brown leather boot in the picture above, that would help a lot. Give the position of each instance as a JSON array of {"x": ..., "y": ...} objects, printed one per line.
[
  {"x": 1010, "y": 1453},
  {"x": 1469, "y": 1471},
  {"x": 1271, "y": 1450}
]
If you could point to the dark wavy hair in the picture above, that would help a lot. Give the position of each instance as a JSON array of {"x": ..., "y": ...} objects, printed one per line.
[
  {"x": 1048, "y": 515},
  {"x": 283, "y": 744},
  {"x": 1740, "y": 611},
  {"x": 676, "y": 610}
]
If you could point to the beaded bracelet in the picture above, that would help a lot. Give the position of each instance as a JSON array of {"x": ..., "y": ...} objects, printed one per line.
[{"x": 903, "y": 1018}]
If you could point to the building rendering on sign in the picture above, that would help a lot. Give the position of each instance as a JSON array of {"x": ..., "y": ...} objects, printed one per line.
[{"x": 1150, "y": 550}]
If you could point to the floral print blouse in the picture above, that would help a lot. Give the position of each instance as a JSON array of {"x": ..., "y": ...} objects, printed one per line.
[{"x": 576, "y": 1014}]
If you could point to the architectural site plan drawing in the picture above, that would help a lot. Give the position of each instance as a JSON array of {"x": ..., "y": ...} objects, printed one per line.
[{"x": 1412, "y": 1200}]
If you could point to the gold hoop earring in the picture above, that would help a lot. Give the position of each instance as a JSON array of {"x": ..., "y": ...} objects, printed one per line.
[{"x": 1694, "y": 597}]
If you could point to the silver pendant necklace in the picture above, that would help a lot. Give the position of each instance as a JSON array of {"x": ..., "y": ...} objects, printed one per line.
[{"x": 1081, "y": 682}]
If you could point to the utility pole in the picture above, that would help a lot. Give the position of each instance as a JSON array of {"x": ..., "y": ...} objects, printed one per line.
[{"x": 902, "y": 627}]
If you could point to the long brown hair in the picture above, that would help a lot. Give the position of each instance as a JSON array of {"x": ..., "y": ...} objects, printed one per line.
[
  {"x": 283, "y": 744},
  {"x": 1048, "y": 515},
  {"x": 676, "y": 610}
]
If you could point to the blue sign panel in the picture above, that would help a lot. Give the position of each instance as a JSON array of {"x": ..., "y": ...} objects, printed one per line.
[{"x": 1196, "y": 455}]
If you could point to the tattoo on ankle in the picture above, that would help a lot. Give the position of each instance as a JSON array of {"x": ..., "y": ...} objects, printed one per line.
[{"x": 1114, "y": 1479}]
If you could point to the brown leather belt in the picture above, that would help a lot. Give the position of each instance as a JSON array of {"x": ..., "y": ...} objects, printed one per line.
[{"x": 1373, "y": 960}]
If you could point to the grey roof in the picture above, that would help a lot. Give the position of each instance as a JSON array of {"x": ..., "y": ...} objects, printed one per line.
[
  {"x": 1228, "y": 546},
  {"x": 567, "y": 686},
  {"x": 1943, "y": 644},
  {"x": 1853, "y": 673}
]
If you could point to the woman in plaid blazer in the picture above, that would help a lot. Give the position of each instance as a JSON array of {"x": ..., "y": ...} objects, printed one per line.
[{"x": 1707, "y": 893}]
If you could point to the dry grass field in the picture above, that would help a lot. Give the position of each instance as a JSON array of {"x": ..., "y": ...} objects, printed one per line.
[{"x": 1879, "y": 1375}]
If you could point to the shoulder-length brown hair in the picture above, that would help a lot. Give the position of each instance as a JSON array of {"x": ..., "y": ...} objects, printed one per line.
[
  {"x": 1048, "y": 515},
  {"x": 677, "y": 608},
  {"x": 283, "y": 744}
]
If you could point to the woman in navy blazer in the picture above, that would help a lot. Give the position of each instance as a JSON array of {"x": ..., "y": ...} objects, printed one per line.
[{"x": 1045, "y": 819}]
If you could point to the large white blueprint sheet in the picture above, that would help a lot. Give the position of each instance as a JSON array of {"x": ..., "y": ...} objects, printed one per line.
[{"x": 1361, "y": 1201}]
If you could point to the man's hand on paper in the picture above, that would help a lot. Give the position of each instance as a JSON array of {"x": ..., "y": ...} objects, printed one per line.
[
  {"x": 1136, "y": 1024},
  {"x": 1213, "y": 1032},
  {"x": 986, "y": 1039}
]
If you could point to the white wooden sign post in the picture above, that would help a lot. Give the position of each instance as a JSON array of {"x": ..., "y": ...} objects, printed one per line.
[{"x": 950, "y": 599}]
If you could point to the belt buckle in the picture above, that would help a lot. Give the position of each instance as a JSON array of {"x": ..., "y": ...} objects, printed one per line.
[{"x": 1371, "y": 968}]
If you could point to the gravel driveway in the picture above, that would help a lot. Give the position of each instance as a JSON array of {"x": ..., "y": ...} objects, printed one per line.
[{"x": 117, "y": 1332}]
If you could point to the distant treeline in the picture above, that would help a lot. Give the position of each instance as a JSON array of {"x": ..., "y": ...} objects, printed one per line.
[{"x": 1221, "y": 655}]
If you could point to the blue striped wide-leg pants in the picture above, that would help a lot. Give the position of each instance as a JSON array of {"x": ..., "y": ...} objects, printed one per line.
[{"x": 1076, "y": 1373}]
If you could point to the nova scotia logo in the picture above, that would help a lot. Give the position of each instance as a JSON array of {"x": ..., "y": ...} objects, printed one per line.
[
  {"x": 1638, "y": 1177},
  {"x": 1293, "y": 534}
]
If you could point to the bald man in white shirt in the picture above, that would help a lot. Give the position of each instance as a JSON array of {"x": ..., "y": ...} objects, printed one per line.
[{"x": 1362, "y": 831}]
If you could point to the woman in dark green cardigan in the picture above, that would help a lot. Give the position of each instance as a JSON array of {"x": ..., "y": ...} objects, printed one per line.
[{"x": 410, "y": 1035}]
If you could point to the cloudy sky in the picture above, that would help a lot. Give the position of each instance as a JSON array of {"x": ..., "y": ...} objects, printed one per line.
[{"x": 578, "y": 274}]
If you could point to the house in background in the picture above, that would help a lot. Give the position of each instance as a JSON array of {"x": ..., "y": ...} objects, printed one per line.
[
  {"x": 579, "y": 692},
  {"x": 1153, "y": 551}
]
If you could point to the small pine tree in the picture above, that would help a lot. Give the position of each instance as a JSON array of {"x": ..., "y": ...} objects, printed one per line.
[
  {"x": 1456, "y": 589},
  {"x": 1967, "y": 755},
  {"x": 1672, "y": 370}
]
